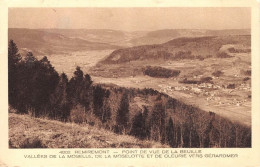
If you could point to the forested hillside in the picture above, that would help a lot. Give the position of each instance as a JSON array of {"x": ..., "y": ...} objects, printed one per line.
[
  {"x": 182, "y": 48},
  {"x": 37, "y": 89}
]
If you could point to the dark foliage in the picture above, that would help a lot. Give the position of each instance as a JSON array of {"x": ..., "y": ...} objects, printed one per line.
[
  {"x": 223, "y": 55},
  {"x": 187, "y": 81},
  {"x": 32, "y": 143},
  {"x": 100, "y": 110},
  {"x": 170, "y": 133},
  {"x": 60, "y": 100},
  {"x": 236, "y": 50},
  {"x": 138, "y": 126},
  {"x": 217, "y": 73},
  {"x": 246, "y": 78},
  {"x": 13, "y": 67},
  {"x": 231, "y": 86},
  {"x": 161, "y": 72},
  {"x": 202, "y": 80},
  {"x": 157, "y": 123},
  {"x": 206, "y": 80},
  {"x": 122, "y": 116},
  {"x": 184, "y": 55},
  {"x": 246, "y": 72},
  {"x": 76, "y": 85},
  {"x": 35, "y": 82}
]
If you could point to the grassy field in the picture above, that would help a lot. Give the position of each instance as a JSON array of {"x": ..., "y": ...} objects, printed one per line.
[{"x": 29, "y": 132}]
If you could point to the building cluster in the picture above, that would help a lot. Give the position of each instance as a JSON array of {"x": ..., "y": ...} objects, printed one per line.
[
  {"x": 244, "y": 86},
  {"x": 208, "y": 90}
]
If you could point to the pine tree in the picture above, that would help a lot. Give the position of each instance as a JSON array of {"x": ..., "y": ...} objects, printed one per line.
[
  {"x": 106, "y": 114},
  {"x": 78, "y": 74},
  {"x": 30, "y": 59},
  {"x": 60, "y": 100},
  {"x": 178, "y": 139},
  {"x": 206, "y": 141},
  {"x": 13, "y": 59},
  {"x": 170, "y": 133},
  {"x": 13, "y": 54},
  {"x": 194, "y": 138},
  {"x": 157, "y": 123},
  {"x": 64, "y": 103},
  {"x": 146, "y": 123},
  {"x": 88, "y": 80},
  {"x": 122, "y": 116},
  {"x": 26, "y": 86},
  {"x": 98, "y": 100},
  {"x": 76, "y": 85},
  {"x": 85, "y": 93},
  {"x": 138, "y": 126},
  {"x": 43, "y": 83},
  {"x": 186, "y": 135}
]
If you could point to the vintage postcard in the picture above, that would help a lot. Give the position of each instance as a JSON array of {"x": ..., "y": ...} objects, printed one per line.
[{"x": 152, "y": 83}]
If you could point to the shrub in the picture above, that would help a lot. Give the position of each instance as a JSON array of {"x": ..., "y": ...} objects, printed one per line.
[
  {"x": 246, "y": 79},
  {"x": 236, "y": 50},
  {"x": 217, "y": 73},
  {"x": 32, "y": 143},
  {"x": 231, "y": 86},
  {"x": 161, "y": 72},
  {"x": 186, "y": 81},
  {"x": 223, "y": 55},
  {"x": 78, "y": 114},
  {"x": 184, "y": 55},
  {"x": 245, "y": 72},
  {"x": 206, "y": 79}
]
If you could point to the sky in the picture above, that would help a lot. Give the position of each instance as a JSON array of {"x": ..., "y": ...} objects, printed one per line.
[{"x": 130, "y": 19}]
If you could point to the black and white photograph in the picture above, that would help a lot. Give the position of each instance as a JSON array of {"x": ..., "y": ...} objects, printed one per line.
[
  {"x": 150, "y": 83},
  {"x": 173, "y": 77}
]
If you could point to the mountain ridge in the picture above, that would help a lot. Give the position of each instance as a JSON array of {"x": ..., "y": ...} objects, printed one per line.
[
  {"x": 179, "y": 48},
  {"x": 42, "y": 42}
]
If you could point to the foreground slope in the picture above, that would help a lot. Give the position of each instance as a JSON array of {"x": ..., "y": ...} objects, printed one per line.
[{"x": 28, "y": 132}]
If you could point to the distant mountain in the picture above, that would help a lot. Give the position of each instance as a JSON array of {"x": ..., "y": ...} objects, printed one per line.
[
  {"x": 44, "y": 42},
  {"x": 180, "y": 48},
  {"x": 162, "y": 36},
  {"x": 50, "y": 41},
  {"x": 114, "y": 37}
]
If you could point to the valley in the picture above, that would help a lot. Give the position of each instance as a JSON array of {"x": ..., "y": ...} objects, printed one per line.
[
  {"x": 218, "y": 84},
  {"x": 227, "y": 93}
]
